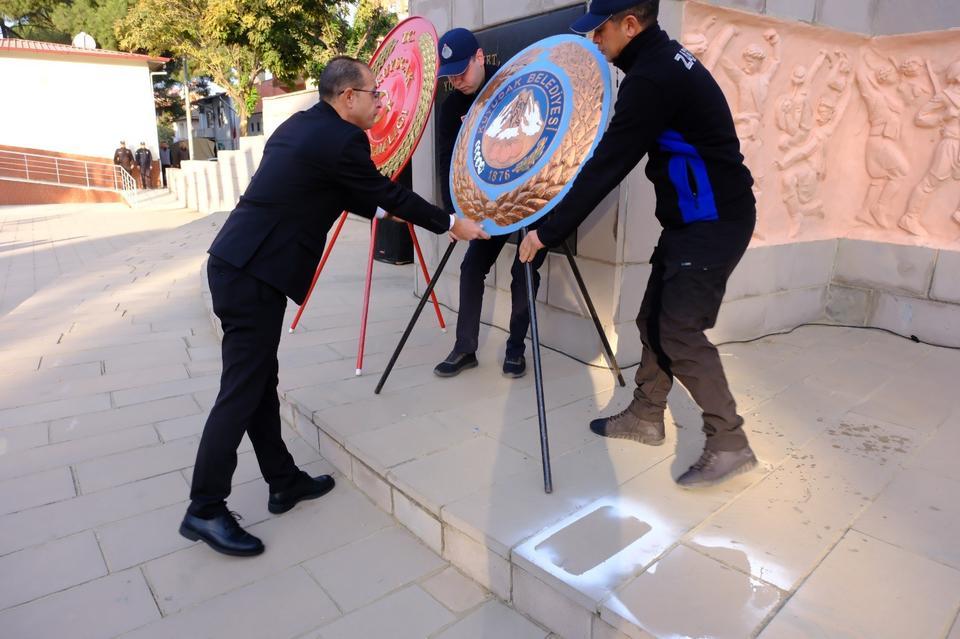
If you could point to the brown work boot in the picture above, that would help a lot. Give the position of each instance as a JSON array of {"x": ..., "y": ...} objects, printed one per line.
[
  {"x": 716, "y": 466},
  {"x": 626, "y": 425}
]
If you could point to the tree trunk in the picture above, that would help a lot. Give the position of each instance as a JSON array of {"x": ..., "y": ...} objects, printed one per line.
[{"x": 244, "y": 118}]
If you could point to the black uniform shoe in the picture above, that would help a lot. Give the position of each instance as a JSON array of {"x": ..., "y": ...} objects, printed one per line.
[
  {"x": 715, "y": 466},
  {"x": 306, "y": 488},
  {"x": 626, "y": 425},
  {"x": 515, "y": 366},
  {"x": 455, "y": 363},
  {"x": 222, "y": 533}
]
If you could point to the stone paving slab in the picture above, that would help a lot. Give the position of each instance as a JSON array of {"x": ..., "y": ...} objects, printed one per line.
[{"x": 104, "y": 607}]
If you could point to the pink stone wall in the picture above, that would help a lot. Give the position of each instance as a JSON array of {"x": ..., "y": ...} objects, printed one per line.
[{"x": 848, "y": 136}]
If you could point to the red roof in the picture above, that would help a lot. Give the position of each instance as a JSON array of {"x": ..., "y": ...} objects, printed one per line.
[{"x": 36, "y": 46}]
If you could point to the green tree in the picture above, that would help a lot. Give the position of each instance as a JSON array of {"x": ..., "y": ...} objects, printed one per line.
[
  {"x": 32, "y": 19},
  {"x": 60, "y": 20},
  {"x": 235, "y": 41},
  {"x": 97, "y": 17}
]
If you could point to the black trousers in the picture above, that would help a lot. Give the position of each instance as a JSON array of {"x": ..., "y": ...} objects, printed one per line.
[
  {"x": 251, "y": 313},
  {"x": 480, "y": 257},
  {"x": 691, "y": 267}
]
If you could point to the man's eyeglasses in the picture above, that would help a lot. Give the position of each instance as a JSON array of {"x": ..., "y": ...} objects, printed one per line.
[{"x": 376, "y": 93}]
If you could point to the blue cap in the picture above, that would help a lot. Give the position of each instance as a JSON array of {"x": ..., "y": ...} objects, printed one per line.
[
  {"x": 455, "y": 49},
  {"x": 598, "y": 12}
]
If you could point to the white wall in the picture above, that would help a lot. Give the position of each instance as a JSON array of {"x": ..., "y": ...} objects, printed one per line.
[
  {"x": 278, "y": 108},
  {"x": 72, "y": 104}
]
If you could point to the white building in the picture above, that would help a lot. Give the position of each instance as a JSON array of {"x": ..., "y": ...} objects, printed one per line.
[{"x": 76, "y": 101}]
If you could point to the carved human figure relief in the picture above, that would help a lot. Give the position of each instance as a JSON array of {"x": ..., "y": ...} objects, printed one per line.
[
  {"x": 943, "y": 110},
  {"x": 753, "y": 84},
  {"x": 913, "y": 88},
  {"x": 837, "y": 83},
  {"x": 800, "y": 176},
  {"x": 708, "y": 51},
  {"x": 887, "y": 165}
]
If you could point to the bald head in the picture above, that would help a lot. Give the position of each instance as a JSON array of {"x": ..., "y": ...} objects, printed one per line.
[{"x": 340, "y": 74}]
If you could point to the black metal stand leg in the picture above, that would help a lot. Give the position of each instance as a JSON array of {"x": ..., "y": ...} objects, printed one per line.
[
  {"x": 538, "y": 376},
  {"x": 593, "y": 313},
  {"x": 416, "y": 316}
]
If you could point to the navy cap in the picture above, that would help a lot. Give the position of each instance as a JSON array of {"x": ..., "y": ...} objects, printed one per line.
[
  {"x": 455, "y": 49},
  {"x": 598, "y": 12}
]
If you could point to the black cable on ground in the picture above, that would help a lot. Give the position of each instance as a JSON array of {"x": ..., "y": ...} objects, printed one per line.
[{"x": 912, "y": 338}]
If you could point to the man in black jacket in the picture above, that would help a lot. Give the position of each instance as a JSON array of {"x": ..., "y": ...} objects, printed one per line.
[
  {"x": 144, "y": 160},
  {"x": 315, "y": 165},
  {"x": 670, "y": 108},
  {"x": 123, "y": 156},
  {"x": 462, "y": 61}
]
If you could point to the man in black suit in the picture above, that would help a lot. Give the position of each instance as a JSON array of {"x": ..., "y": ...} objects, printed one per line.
[{"x": 315, "y": 165}]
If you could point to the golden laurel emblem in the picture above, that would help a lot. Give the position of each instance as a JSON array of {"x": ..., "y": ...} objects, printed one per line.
[
  {"x": 528, "y": 133},
  {"x": 405, "y": 67}
]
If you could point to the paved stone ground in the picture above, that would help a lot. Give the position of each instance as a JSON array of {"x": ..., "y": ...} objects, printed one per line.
[
  {"x": 40, "y": 243},
  {"x": 847, "y": 530},
  {"x": 110, "y": 362}
]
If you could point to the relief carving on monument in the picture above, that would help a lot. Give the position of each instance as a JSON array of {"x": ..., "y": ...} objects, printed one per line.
[
  {"x": 941, "y": 112},
  {"x": 752, "y": 79},
  {"x": 861, "y": 134}
]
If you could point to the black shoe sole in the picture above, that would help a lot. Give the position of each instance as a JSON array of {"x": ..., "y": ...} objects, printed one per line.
[
  {"x": 522, "y": 373},
  {"x": 279, "y": 509},
  {"x": 456, "y": 372},
  {"x": 742, "y": 469},
  {"x": 194, "y": 536}
]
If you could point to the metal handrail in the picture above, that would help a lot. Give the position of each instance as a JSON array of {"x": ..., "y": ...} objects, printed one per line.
[{"x": 45, "y": 169}]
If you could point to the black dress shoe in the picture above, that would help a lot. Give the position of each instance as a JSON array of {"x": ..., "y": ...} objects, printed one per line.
[
  {"x": 308, "y": 488},
  {"x": 455, "y": 363},
  {"x": 515, "y": 366},
  {"x": 222, "y": 533}
]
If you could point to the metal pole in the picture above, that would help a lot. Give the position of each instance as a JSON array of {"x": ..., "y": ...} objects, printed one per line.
[
  {"x": 426, "y": 276},
  {"x": 56, "y": 165},
  {"x": 593, "y": 313},
  {"x": 86, "y": 172},
  {"x": 366, "y": 297},
  {"x": 186, "y": 97},
  {"x": 416, "y": 316},
  {"x": 538, "y": 376}
]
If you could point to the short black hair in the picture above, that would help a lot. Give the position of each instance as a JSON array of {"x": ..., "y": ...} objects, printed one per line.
[
  {"x": 341, "y": 73},
  {"x": 645, "y": 12}
]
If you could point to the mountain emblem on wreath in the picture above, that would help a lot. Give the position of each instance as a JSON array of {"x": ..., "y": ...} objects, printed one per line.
[{"x": 514, "y": 132}]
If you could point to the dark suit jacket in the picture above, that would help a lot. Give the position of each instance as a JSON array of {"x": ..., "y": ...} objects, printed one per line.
[
  {"x": 123, "y": 157},
  {"x": 314, "y": 166}
]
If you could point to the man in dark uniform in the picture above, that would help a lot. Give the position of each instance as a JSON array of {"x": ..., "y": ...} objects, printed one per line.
[
  {"x": 268, "y": 250},
  {"x": 124, "y": 157},
  {"x": 144, "y": 160},
  {"x": 462, "y": 61},
  {"x": 670, "y": 108}
]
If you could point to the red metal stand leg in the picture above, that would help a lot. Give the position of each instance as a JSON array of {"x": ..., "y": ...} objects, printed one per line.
[
  {"x": 316, "y": 276},
  {"x": 366, "y": 298},
  {"x": 426, "y": 277}
]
